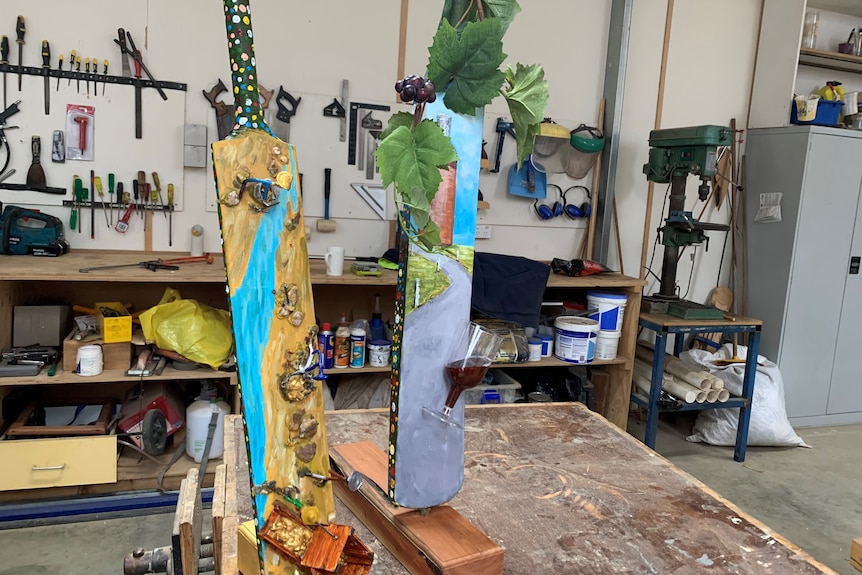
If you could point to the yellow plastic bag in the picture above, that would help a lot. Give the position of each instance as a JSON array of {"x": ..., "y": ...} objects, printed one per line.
[{"x": 196, "y": 331}]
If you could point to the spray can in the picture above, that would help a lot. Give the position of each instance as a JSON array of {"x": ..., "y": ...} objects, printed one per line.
[
  {"x": 342, "y": 343},
  {"x": 326, "y": 345},
  {"x": 358, "y": 334}
]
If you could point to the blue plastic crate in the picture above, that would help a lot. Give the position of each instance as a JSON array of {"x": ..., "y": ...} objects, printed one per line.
[{"x": 827, "y": 113}]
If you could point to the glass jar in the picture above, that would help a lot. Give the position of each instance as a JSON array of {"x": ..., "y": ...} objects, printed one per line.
[{"x": 809, "y": 30}]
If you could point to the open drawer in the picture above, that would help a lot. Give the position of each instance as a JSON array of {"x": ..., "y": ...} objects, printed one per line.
[{"x": 35, "y": 463}]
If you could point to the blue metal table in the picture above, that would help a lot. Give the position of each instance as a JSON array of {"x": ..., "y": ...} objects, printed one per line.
[{"x": 664, "y": 325}]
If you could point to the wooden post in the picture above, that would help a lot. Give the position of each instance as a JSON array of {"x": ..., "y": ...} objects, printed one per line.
[
  {"x": 186, "y": 534},
  {"x": 658, "y": 112},
  {"x": 218, "y": 513}
]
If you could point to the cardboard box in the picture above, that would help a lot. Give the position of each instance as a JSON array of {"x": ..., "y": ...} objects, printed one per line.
[
  {"x": 114, "y": 355},
  {"x": 39, "y": 325},
  {"x": 113, "y": 321},
  {"x": 856, "y": 554}
]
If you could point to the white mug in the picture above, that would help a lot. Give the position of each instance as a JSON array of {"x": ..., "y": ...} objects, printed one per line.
[{"x": 334, "y": 259}]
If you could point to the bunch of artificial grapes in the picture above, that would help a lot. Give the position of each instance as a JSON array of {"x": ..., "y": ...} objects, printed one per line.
[{"x": 415, "y": 89}]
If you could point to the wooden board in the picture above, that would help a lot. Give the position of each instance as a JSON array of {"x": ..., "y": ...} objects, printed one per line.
[
  {"x": 272, "y": 308},
  {"x": 19, "y": 427},
  {"x": 667, "y": 320},
  {"x": 190, "y": 517},
  {"x": 563, "y": 491},
  {"x": 433, "y": 296},
  {"x": 217, "y": 513},
  {"x": 437, "y": 542}
]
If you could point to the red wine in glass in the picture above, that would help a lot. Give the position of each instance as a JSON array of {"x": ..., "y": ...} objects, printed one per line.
[{"x": 464, "y": 374}]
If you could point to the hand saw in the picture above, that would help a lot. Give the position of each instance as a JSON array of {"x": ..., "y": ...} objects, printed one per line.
[{"x": 223, "y": 112}]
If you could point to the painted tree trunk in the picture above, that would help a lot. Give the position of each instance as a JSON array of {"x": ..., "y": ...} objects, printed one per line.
[
  {"x": 426, "y": 456},
  {"x": 269, "y": 287}
]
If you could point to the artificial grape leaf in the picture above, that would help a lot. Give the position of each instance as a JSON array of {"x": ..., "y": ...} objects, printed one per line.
[
  {"x": 400, "y": 119},
  {"x": 430, "y": 236},
  {"x": 459, "y": 12},
  {"x": 526, "y": 93},
  {"x": 412, "y": 159},
  {"x": 418, "y": 202},
  {"x": 505, "y": 10},
  {"x": 467, "y": 68}
]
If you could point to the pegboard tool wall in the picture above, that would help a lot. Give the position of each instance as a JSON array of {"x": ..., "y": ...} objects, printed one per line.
[{"x": 307, "y": 47}]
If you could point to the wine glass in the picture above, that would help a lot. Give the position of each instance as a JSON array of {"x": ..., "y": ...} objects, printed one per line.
[{"x": 470, "y": 356}]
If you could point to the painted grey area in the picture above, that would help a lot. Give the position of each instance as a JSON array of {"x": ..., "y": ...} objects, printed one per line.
[
  {"x": 431, "y": 451},
  {"x": 798, "y": 268}
]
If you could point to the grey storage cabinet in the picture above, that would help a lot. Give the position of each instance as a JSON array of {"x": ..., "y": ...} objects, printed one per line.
[{"x": 802, "y": 281}]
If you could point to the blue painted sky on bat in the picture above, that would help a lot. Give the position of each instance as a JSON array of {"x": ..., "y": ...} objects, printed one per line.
[{"x": 465, "y": 132}]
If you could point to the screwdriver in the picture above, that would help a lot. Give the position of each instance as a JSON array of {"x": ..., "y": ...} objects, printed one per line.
[
  {"x": 124, "y": 196},
  {"x": 136, "y": 191},
  {"x": 19, "y": 29},
  {"x": 87, "y": 79},
  {"x": 111, "y": 194},
  {"x": 170, "y": 214},
  {"x": 4, "y": 59},
  {"x": 77, "y": 69},
  {"x": 95, "y": 76},
  {"x": 77, "y": 186},
  {"x": 46, "y": 69},
  {"x": 60, "y": 68},
  {"x": 71, "y": 67},
  {"x": 156, "y": 195},
  {"x": 100, "y": 191},
  {"x": 105, "y": 79}
]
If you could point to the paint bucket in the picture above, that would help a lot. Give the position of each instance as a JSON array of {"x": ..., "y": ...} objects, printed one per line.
[
  {"x": 89, "y": 360},
  {"x": 547, "y": 345},
  {"x": 534, "y": 345},
  {"x": 378, "y": 352},
  {"x": 575, "y": 340},
  {"x": 607, "y": 308},
  {"x": 607, "y": 343}
]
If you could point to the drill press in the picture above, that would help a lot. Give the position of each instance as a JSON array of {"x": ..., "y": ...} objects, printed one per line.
[{"x": 674, "y": 155}]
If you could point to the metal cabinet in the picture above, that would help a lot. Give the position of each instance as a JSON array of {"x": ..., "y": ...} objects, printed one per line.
[{"x": 800, "y": 279}]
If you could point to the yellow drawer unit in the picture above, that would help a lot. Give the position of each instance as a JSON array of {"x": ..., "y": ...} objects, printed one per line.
[{"x": 35, "y": 463}]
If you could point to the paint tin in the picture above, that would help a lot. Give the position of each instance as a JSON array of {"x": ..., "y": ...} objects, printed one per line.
[
  {"x": 534, "y": 344},
  {"x": 89, "y": 360},
  {"x": 607, "y": 308},
  {"x": 575, "y": 340},
  {"x": 378, "y": 352},
  {"x": 607, "y": 343},
  {"x": 357, "y": 347}
]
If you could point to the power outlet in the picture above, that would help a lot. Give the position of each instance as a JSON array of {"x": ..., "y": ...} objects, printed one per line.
[{"x": 483, "y": 232}]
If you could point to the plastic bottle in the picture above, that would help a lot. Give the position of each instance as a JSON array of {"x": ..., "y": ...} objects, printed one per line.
[
  {"x": 198, "y": 416},
  {"x": 342, "y": 343},
  {"x": 326, "y": 345},
  {"x": 377, "y": 329},
  {"x": 358, "y": 338}
]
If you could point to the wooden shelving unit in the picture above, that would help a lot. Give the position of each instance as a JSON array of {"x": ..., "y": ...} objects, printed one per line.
[
  {"x": 830, "y": 60},
  {"x": 544, "y": 362},
  {"x": 27, "y": 279}
]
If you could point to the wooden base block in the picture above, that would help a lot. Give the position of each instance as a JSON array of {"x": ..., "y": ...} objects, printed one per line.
[{"x": 437, "y": 541}]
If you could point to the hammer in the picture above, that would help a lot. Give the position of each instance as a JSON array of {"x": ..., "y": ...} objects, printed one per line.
[{"x": 326, "y": 226}]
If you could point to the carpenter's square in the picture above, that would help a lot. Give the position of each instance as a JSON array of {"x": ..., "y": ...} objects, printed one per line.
[
  {"x": 46, "y": 69},
  {"x": 20, "y": 29},
  {"x": 286, "y": 106},
  {"x": 368, "y": 123},
  {"x": 503, "y": 128},
  {"x": 4, "y": 59},
  {"x": 336, "y": 110},
  {"x": 354, "y": 126}
]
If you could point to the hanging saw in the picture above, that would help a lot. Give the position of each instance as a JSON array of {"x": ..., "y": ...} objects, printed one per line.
[
  {"x": 223, "y": 111},
  {"x": 286, "y": 106}
]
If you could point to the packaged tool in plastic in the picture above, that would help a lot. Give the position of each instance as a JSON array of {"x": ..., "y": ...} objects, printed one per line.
[{"x": 80, "y": 129}]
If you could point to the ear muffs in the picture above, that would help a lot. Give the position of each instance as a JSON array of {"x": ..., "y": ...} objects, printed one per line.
[
  {"x": 577, "y": 211},
  {"x": 555, "y": 210}
]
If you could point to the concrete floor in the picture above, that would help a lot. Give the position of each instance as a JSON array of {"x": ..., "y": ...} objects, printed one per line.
[{"x": 809, "y": 496}]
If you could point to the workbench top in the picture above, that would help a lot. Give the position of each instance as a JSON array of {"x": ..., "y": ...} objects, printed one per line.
[{"x": 564, "y": 491}]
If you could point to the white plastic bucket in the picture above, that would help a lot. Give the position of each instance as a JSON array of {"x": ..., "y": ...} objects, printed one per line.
[
  {"x": 607, "y": 308},
  {"x": 547, "y": 345},
  {"x": 89, "y": 360},
  {"x": 607, "y": 343},
  {"x": 378, "y": 352},
  {"x": 534, "y": 345},
  {"x": 575, "y": 339}
]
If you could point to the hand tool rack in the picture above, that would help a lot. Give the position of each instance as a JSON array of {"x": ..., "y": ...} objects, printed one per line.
[{"x": 90, "y": 76}]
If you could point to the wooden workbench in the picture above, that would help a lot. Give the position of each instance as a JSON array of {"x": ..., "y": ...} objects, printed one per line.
[{"x": 564, "y": 491}]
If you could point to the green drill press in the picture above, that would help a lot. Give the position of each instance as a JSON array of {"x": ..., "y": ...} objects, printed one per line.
[{"x": 674, "y": 155}]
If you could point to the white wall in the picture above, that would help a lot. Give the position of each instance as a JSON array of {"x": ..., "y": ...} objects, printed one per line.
[{"x": 309, "y": 47}]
